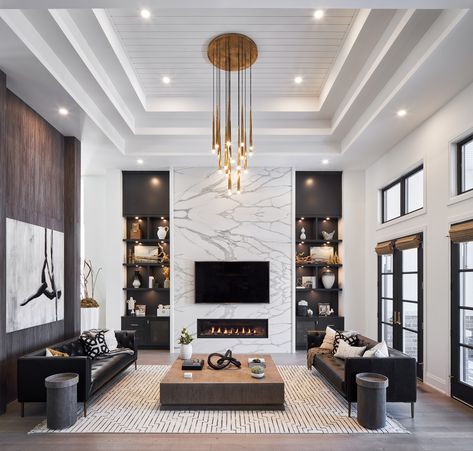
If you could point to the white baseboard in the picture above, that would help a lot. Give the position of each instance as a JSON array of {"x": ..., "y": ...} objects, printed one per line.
[{"x": 437, "y": 383}]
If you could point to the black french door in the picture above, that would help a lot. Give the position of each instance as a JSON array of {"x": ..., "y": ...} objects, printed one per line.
[
  {"x": 462, "y": 322},
  {"x": 400, "y": 302}
]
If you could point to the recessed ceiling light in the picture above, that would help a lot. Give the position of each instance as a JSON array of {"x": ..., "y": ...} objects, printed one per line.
[
  {"x": 145, "y": 14},
  {"x": 140, "y": 161},
  {"x": 318, "y": 14},
  {"x": 325, "y": 161},
  {"x": 166, "y": 80},
  {"x": 401, "y": 113},
  {"x": 298, "y": 80},
  {"x": 63, "y": 111}
]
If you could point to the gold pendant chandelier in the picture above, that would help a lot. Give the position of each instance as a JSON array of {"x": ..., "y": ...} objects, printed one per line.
[{"x": 232, "y": 53}]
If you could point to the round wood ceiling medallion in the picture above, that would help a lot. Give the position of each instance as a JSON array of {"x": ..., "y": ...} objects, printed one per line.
[{"x": 229, "y": 49}]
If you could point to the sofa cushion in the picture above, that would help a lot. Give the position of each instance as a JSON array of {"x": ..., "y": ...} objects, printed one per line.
[
  {"x": 349, "y": 337},
  {"x": 333, "y": 369},
  {"x": 72, "y": 347},
  {"x": 94, "y": 345},
  {"x": 104, "y": 369},
  {"x": 379, "y": 350},
  {"x": 346, "y": 351},
  {"x": 328, "y": 339}
]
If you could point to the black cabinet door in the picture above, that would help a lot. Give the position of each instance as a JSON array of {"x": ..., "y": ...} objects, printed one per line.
[
  {"x": 335, "y": 322},
  {"x": 159, "y": 332},
  {"x": 140, "y": 326},
  {"x": 302, "y": 326}
]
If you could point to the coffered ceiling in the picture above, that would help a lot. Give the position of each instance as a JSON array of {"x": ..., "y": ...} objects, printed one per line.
[
  {"x": 291, "y": 42},
  {"x": 359, "y": 64}
]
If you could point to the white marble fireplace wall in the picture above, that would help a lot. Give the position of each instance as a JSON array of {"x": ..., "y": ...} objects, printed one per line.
[{"x": 255, "y": 225}]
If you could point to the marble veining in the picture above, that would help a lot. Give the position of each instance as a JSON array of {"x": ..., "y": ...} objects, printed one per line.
[{"x": 255, "y": 225}]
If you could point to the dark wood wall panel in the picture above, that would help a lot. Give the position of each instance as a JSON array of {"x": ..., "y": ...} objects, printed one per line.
[
  {"x": 72, "y": 236},
  {"x": 36, "y": 158},
  {"x": 3, "y": 195}
]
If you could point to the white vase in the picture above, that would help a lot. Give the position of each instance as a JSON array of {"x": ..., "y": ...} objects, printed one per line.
[
  {"x": 89, "y": 318},
  {"x": 328, "y": 279},
  {"x": 186, "y": 352},
  {"x": 162, "y": 232},
  {"x": 303, "y": 235}
]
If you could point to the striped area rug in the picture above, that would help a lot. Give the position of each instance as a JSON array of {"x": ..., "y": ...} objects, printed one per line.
[{"x": 132, "y": 405}]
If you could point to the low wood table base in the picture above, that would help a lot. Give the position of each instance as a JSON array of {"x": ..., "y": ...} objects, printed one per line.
[{"x": 228, "y": 389}]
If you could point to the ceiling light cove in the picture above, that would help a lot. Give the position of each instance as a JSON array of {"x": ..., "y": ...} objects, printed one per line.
[
  {"x": 319, "y": 14},
  {"x": 401, "y": 113},
  {"x": 145, "y": 13},
  {"x": 298, "y": 80},
  {"x": 63, "y": 111},
  {"x": 166, "y": 80}
]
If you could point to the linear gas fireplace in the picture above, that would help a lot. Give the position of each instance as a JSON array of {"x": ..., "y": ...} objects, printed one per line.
[{"x": 232, "y": 328}]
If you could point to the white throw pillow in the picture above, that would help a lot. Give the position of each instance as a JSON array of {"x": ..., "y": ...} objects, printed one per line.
[
  {"x": 379, "y": 350},
  {"x": 111, "y": 340},
  {"x": 345, "y": 351},
  {"x": 328, "y": 339}
]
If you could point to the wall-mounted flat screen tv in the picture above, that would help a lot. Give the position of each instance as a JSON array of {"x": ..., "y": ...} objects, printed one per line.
[{"x": 232, "y": 282}]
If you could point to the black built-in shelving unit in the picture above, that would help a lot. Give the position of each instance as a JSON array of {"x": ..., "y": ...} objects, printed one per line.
[
  {"x": 146, "y": 200},
  {"x": 318, "y": 208}
]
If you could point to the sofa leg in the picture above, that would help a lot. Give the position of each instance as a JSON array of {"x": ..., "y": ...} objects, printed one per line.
[
  {"x": 349, "y": 409},
  {"x": 85, "y": 409},
  {"x": 412, "y": 410},
  {"x": 22, "y": 409},
  {"x": 136, "y": 365}
]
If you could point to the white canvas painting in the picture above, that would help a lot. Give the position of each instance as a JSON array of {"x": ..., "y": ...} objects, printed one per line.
[{"x": 35, "y": 275}]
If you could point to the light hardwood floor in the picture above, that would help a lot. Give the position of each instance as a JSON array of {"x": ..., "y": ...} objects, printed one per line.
[{"x": 441, "y": 423}]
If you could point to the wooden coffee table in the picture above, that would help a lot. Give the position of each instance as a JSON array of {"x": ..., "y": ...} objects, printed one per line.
[{"x": 231, "y": 388}]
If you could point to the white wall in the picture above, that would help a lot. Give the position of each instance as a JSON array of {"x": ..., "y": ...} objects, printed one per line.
[
  {"x": 352, "y": 251},
  {"x": 102, "y": 241},
  {"x": 94, "y": 229},
  {"x": 255, "y": 225},
  {"x": 430, "y": 144}
]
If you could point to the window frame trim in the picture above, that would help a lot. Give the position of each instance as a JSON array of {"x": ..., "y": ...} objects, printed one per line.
[
  {"x": 402, "y": 181},
  {"x": 459, "y": 164}
]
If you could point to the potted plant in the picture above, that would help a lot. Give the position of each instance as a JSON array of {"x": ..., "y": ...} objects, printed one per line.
[
  {"x": 257, "y": 372},
  {"x": 89, "y": 307},
  {"x": 185, "y": 341}
]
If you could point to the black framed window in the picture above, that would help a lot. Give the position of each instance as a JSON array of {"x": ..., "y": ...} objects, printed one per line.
[
  {"x": 465, "y": 165},
  {"x": 403, "y": 196}
]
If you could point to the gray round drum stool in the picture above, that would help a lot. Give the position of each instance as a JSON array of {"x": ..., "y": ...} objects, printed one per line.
[
  {"x": 371, "y": 399},
  {"x": 61, "y": 400}
]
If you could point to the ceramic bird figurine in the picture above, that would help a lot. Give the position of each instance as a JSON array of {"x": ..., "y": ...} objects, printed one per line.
[{"x": 328, "y": 236}]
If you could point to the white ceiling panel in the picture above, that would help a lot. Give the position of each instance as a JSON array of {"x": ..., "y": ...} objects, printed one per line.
[{"x": 290, "y": 43}]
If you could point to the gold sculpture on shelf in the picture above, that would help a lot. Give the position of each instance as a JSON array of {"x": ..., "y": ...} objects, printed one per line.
[
  {"x": 163, "y": 257},
  {"x": 334, "y": 259}
]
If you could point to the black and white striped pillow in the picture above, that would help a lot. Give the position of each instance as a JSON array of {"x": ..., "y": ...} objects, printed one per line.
[
  {"x": 352, "y": 340},
  {"x": 95, "y": 345}
]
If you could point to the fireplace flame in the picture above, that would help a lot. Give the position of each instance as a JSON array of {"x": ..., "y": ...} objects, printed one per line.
[{"x": 247, "y": 331}]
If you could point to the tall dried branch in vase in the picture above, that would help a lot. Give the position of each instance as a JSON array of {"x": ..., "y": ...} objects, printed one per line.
[{"x": 88, "y": 282}]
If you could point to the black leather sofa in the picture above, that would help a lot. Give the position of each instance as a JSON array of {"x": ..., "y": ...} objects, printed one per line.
[
  {"x": 93, "y": 374},
  {"x": 398, "y": 367}
]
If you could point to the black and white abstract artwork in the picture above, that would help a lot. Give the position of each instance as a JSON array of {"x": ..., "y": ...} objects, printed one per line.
[{"x": 35, "y": 275}]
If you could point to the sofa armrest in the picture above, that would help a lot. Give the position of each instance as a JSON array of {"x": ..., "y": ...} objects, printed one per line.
[
  {"x": 401, "y": 372},
  {"x": 32, "y": 370},
  {"x": 315, "y": 338},
  {"x": 126, "y": 339}
]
